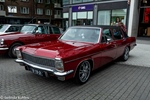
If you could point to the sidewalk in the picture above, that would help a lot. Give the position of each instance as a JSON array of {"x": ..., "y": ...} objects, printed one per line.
[{"x": 140, "y": 55}]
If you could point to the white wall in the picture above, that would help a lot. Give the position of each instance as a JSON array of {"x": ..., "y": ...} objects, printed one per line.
[{"x": 133, "y": 18}]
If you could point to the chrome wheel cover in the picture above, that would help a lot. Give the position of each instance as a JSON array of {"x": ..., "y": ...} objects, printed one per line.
[
  {"x": 84, "y": 71},
  {"x": 126, "y": 53},
  {"x": 13, "y": 50}
]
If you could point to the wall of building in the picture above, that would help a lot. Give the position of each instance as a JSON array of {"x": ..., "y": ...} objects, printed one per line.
[
  {"x": 108, "y": 6},
  {"x": 133, "y": 18},
  {"x": 55, "y": 16}
]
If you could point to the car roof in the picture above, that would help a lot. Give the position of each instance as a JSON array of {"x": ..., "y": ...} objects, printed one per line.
[
  {"x": 13, "y": 24},
  {"x": 42, "y": 25},
  {"x": 95, "y": 26}
]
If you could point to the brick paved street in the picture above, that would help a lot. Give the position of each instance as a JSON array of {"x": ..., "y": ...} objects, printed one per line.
[{"x": 118, "y": 81}]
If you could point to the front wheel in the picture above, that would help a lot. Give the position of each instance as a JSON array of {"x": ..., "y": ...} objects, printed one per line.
[
  {"x": 83, "y": 72},
  {"x": 125, "y": 55},
  {"x": 11, "y": 51}
]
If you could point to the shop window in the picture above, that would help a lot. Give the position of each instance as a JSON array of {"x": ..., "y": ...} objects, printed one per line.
[
  {"x": 74, "y": 15},
  {"x": 90, "y": 15},
  {"x": 65, "y": 15},
  {"x": 146, "y": 15},
  {"x": 81, "y": 15},
  {"x": 104, "y": 18},
  {"x": 82, "y": 18},
  {"x": 118, "y": 14}
]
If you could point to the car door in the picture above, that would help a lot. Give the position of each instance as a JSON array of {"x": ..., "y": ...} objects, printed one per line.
[
  {"x": 119, "y": 40},
  {"x": 55, "y": 33},
  {"x": 107, "y": 49},
  {"x": 41, "y": 34}
]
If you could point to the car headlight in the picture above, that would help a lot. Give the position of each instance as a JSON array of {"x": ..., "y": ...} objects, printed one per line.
[
  {"x": 2, "y": 41},
  {"x": 18, "y": 53},
  {"x": 59, "y": 65}
]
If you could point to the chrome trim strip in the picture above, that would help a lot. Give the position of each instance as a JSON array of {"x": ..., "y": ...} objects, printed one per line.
[
  {"x": 4, "y": 48},
  {"x": 46, "y": 69},
  {"x": 84, "y": 57}
]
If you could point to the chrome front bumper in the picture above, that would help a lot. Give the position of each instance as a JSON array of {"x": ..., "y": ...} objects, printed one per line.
[
  {"x": 3, "y": 47},
  {"x": 55, "y": 72}
]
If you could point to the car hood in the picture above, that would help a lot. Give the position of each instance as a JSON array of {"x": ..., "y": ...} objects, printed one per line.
[
  {"x": 9, "y": 33},
  {"x": 10, "y": 36},
  {"x": 53, "y": 49}
]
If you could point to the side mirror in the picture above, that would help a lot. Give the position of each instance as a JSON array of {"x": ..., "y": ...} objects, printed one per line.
[
  {"x": 36, "y": 32},
  {"x": 108, "y": 40}
]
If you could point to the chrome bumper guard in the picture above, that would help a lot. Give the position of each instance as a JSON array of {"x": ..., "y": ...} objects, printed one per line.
[
  {"x": 57, "y": 73},
  {"x": 3, "y": 47}
]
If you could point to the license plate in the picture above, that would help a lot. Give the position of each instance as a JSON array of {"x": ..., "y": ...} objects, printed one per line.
[{"x": 38, "y": 72}]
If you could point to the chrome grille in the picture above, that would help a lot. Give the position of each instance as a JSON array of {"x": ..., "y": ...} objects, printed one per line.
[{"x": 38, "y": 60}]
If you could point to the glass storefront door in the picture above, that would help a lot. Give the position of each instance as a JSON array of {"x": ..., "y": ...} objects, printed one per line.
[
  {"x": 83, "y": 22},
  {"x": 82, "y": 18}
]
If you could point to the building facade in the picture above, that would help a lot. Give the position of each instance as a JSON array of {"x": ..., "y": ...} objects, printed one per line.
[
  {"x": 135, "y": 14},
  {"x": 31, "y": 11},
  {"x": 144, "y": 18},
  {"x": 94, "y": 12}
]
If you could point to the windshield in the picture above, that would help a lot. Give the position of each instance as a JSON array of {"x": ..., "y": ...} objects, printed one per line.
[
  {"x": 82, "y": 34},
  {"x": 3, "y": 28},
  {"x": 28, "y": 29}
]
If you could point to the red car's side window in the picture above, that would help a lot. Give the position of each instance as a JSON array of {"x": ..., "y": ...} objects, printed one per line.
[{"x": 106, "y": 34}]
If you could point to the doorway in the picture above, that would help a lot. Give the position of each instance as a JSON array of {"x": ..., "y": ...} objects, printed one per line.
[{"x": 83, "y": 22}]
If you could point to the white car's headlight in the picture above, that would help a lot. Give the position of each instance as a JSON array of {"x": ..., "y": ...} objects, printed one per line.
[
  {"x": 59, "y": 64},
  {"x": 18, "y": 53},
  {"x": 2, "y": 41}
]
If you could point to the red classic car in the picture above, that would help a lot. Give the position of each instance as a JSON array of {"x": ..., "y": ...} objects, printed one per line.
[
  {"x": 80, "y": 50},
  {"x": 30, "y": 33}
]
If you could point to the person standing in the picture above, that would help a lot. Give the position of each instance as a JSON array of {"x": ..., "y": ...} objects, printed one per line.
[
  {"x": 122, "y": 27},
  {"x": 118, "y": 20}
]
